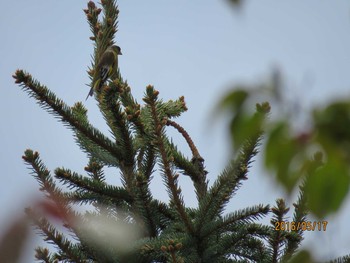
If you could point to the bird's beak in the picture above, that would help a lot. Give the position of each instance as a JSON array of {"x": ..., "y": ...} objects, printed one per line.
[{"x": 120, "y": 53}]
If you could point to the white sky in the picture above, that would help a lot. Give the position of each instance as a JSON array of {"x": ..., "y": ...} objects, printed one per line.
[{"x": 196, "y": 49}]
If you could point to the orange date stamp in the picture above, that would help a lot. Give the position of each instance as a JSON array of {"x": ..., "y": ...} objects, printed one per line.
[{"x": 304, "y": 226}]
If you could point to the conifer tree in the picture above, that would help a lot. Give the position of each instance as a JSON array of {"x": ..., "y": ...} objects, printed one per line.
[{"x": 126, "y": 223}]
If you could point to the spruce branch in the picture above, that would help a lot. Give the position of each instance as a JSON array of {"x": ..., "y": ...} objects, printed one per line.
[
  {"x": 166, "y": 214},
  {"x": 110, "y": 20},
  {"x": 299, "y": 216},
  {"x": 238, "y": 239},
  {"x": 300, "y": 209},
  {"x": 44, "y": 255},
  {"x": 194, "y": 169},
  {"x": 239, "y": 245},
  {"x": 259, "y": 230},
  {"x": 103, "y": 31},
  {"x": 146, "y": 160},
  {"x": 230, "y": 221},
  {"x": 47, "y": 100},
  {"x": 278, "y": 237},
  {"x": 187, "y": 137},
  {"x": 68, "y": 251},
  {"x": 94, "y": 170},
  {"x": 169, "y": 177},
  {"x": 118, "y": 123},
  {"x": 143, "y": 199},
  {"x": 227, "y": 183},
  {"x": 231, "y": 178},
  {"x": 61, "y": 207},
  {"x": 199, "y": 179},
  {"x": 172, "y": 108},
  {"x": 92, "y": 13},
  {"x": 95, "y": 150},
  {"x": 117, "y": 194},
  {"x": 180, "y": 161},
  {"x": 85, "y": 197},
  {"x": 42, "y": 174},
  {"x": 131, "y": 107},
  {"x": 154, "y": 249},
  {"x": 344, "y": 259}
]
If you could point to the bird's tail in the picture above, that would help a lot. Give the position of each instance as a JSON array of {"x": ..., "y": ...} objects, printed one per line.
[
  {"x": 96, "y": 86},
  {"x": 90, "y": 93}
]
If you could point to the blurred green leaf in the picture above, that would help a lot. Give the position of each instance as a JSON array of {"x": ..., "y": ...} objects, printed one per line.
[
  {"x": 280, "y": 156},
  {"x": 288, "y": 155},
  {"x": 275, "y": 143},
  {"x": 235, "y": 3},
  {"x": 327, "y": 187},
  {"x": 333, "y": 126},
  {"x": 242, "y": 125},
  {"x": 245, "y": 126},
  {"x": 234, "y": 100},
  {"x": 302, "y": 257}
]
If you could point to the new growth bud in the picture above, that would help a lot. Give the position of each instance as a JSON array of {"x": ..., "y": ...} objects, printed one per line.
[{"x": 91, "y": 5}]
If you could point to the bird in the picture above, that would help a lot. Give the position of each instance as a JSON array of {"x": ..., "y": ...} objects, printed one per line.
[{"x": 105, "y": 67}]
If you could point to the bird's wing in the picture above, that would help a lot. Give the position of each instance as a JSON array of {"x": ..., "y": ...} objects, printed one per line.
[
  {"x": 107, "y": 61},
  {"x": 107, "y": 58},
  {"x": 104, "y": 73}
]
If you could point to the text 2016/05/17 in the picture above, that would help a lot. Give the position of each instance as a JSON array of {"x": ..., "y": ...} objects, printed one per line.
[{"x": 304, "y": 226}]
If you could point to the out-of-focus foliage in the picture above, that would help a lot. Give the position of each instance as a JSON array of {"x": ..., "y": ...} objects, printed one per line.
[
  {"x": 243, "y": 124},
  {"x": 303, "y": 256},
  {"x": 318, "y": 155},
  {"x": 235, "y": 3}
]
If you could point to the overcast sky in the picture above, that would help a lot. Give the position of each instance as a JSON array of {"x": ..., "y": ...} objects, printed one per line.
[{"x": 197, "y": 49}]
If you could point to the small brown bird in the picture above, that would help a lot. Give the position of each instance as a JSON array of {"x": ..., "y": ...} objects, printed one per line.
[{"x": 108, "y": 62}]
